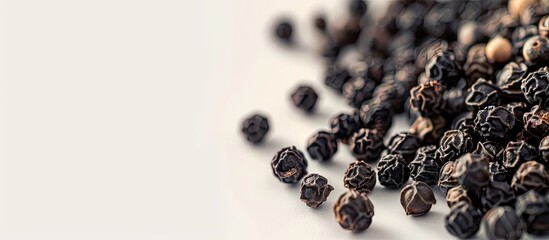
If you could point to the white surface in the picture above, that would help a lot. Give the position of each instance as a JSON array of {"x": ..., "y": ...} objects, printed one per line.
[{"x": 121, "y": 121}]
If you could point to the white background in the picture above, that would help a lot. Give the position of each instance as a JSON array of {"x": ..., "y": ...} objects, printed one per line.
[{"x": 120, "y": 120}]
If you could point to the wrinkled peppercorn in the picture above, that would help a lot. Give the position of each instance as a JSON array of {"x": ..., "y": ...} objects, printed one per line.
[
  {"x": 417, "y": 198},
  {"x": 464, "y": 220},
  {"x": 499, "y": 173},
  {"x": 497, "y": 194},
  {"x": 427, "y": 98},
  {"x": 482, "y": 94},
  {"x": 255, "y": 128},
  {"x": 499, "y": 50},
  {"x": 453, "y": 144},
  {"x": 392, "y": 94},
  {"x": 358, "y": 91},
  {"x": 533, "y": 209},
  {"x": 354, "y": 211},
  {"x": 492, "y": 151},
  {"x": 336, "y": 77},
  {"x": 360, "y": 176},
  {"x": 502, "y": 223},
  {"x": 460, "y": 194},
  {"x": 517, "y": 153},
  {"x": 510, "y": 77},
  {"x": 536, "y": 50},
  {"x": 392, "y": 171},
  {"x": 535, "y": 87},
  {"x": 446, "y": 179},
  {"x": 322, "y": 146},
  {"x": 344, "y": 125},
  {"x": 289, "y": 165},
  {"x": 284, "y": 30},
  {"x": 494, "y": 123},
  {"x": 544, "y": 149},
  {"x": 443, "y": 68},
  {"x": 477, "y": 65},
  {"x": 517, "y": 109},
  {"x": 375, "y": 115},
  {"x": 425, "y": 167},
  {"x": 536, "y": 122},
  {"x": 304, "y": 97},
  {"x": 465, "y": 122},
  {"x": 530, "y": 176},
  {"x": 405, "y": 144},
  {"x": 429, "y": 130},
  {"x": 314, "y": 190},
  {"x": 472, "y": 171},
  {"x": 366, "y": 145}
]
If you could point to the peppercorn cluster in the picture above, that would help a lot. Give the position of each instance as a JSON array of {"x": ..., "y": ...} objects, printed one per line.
[{"x": 472, "y": 77}]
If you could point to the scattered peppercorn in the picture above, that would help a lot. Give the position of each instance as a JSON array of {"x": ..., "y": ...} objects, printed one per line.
[
  {"x": 464, "y": 220},
  {"x": 336, "y": 77},
  {"x": 354, "y": 211},
  {"x": 314, "y": 190},
  {"x": 255, "y": 128},
  {"x": 472, "y": 171},
  {"x": 499, "y": 50},
  {"x": 482, "y": 94},
  {"x": 492, "y": 151},
  {"x": 510, "y": 78},
  {"x": 517, "y": 153},
  {"x": 536, "y": 50},
  {"x": 530, "y": 176},
  {"x": 533, "y": 209},
  {"x": 284, "y": 30},
  {"x": 366, "y": 145},
  {"x": 360, "y": 176},
  {"x": 520, "y": 35},
  {"x": 460, "y": 194},
  {"x": 322, "y": 146},
  {"x": 425, "y": 167},
  {"x": 304, "y": 97},
  {"x": 502, "y": 223},
  {"x": 358, "y": 91},
  {"x": 375, "y": 115},
  {"x": 499, "y": 173},
  {"x": 446, "y": 180},
  {"x": 417, "y": 198},
  {"x": 427, "y": 99},
  {"x": 443, "y": 68},
  {"x": 453, "y": 144},
  {"x": 344, "y": 125},
  {"x": 405, "y": 144},
  {"x": 392, "y": 171},
  {"x": 536, "y": 122},
  {"x": 494, "y": 123},
  {"x": 289, "y": 165}
]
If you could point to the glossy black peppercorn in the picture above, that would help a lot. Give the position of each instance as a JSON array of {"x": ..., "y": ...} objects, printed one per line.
[
  {"x": 304, "y": 97},
  {"x": 536, "y": 50},
  {"x": 392, "y": 171},
  {"x": 443, "y": 68},
  {"x": 530, "y": 176},
  {"x": 425, "y": 167},
  {"x": 255, "y": 128},
  {"x": 366, "y": 145},
  {"x": 284, "y": 30},
  {"x": 354, "y": 211},
  {"x": 460, "y": 194},
  {"x": 544, "y": 149},
  {"x": 314, "y": 190},
  {"x": 535, "y": 87},
  {"x": 533, "y": 209},
  {"x": 517, "y": 153},
  {"x": 465, "y": 122},
  {"x": 497, "y": 194},
  {"x": 358, "y": 91},
  {"x": 472, "y": 171},
  {"x": 510, "y": 77},
  {"x": 492, "y": 151},
  {"x": 344, "y": 125},
  {"x": 289, "y": 165},
  {"x": 494, "y": 123},
  {"x": 427, "y": 98},
  {"x": 502, "y": 223},
  {"x": 463, "y": 221},
  {"x": 322, "y": 146},
  {"x": 336, "y": 77},
  {"x": 417, "y": 198},
  {"x": 360, "y": 176},
  {"x": 446, "y": 180},
  {"x": 499, "y": 173},
  {"x": 453, "y": 144},
  {"x": 375, "y": 115},
  {"x": 536, "y": 122},
  {"x": 482, "y": 94},
  {"x": 405, "y": 144},
  {"x": 517, "y": 109}
]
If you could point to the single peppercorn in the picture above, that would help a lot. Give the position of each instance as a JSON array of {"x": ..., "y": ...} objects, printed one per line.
[
  {"x": 375, "y": 115},
  {"x": 494, "y": 123},
  {"x": 520, "y": 35},
  {"x": 417, "y": 198},
  {"x": 354, "y": 211},
  {"x": 336, "y": 77},
  {"x": 320, "y": 23},
  {"x": 517, "y": 153},
  {"x": 358, "y": 91},
  {"x": 442, "y": 67},
  {"x": 360, "y": 176},
  {"x": 492, "y": 151},
  {"x": 460, "y": 194},
  {"x": 472, "y": 171},
  {"x": 463, "y": 221},
  {"x": 453, "y": 144},
  {"x": 510, "y": 78},
  {"x": 517, "y": 109},
  {"x": 535, "y": 87},
  {"x": 543, "y": 26},
  {"x": 392, "y": 171},
  {"x": 499, "y": 173},
  {"x": 477, "y": 65},
  {"x": 497, "y": 194},
  {"x": 405, "y": 144},
  {"x": 536, "y": 122},
  {"x": 289, "y": 165},
  {"x": 255, "y": 128},
  {"x": 344, "y": 125},
  {"x": 314, "y": 190},
  {"x": 531, "y": 175},
  {"x": 427, "y": 98},
  {"x": 502, "y": 223},
  {"x": 536, "y": 50},
  {"x": 446, "y": 180},
  {"x": 322, "y": 146},
  {"x": 465, "y": 122},
  {"x": 429, "y": 130},
  {"x": 366, "y": 145},
  {"x": 544, "y": 149},
  {"x": 284, "y": 30},
  {"x": 499, "y": 50},
  {"x": 482, "y": 94},
  {"x": 533, "y": 209},
  {"x": 425, "y": 167},
  {"x": 305, "y": 97},
  {"x": 391, "y": 93}
]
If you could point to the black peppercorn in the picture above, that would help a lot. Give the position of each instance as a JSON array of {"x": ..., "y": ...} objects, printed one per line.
[
  {"x": 336, "y": 77},
  {"x": 520, "y": 35},
  {"x": 536, "y": 122},
  {"x": 375, "y": 115},
  {"x": 405, "y": 144},
  {"x": 502, "y": 223},
  {"x": 510, "y": 77},
  {"x": 344, "y": 125},
  {"x": 517, "y": 153},
  {"x": 446, "y": 180},
  {"x": 284, "y": 30},
  {"x": 536, "y": 50},
  {"x": 472, "y": 171},
  {"x": 255, "y": 128},
  {"x": 366, "y": 145},
  {"x": 429, "y": 130},
  {"x": 464, "y": 220},
  {"x": 494, "y": 123},
  {"x": 477, "y": 65},
  {"x": 465, "y": 122},
  {"x": 392, "y": 94},
  {"x": 533, "y": 209},
  {"x": 427, "y": 99},
  {"x": 535, "y": 87},
  {"x": 453, "y": 144},
  {"x": 443, "y": 68},
  {"x": 320, "y": 23},
  {"x": 530, "y": 176},
  {"x": 544, "y": 149},
  {"x": 392, "y": 171},
  {"x": 460, "y": 194},
  {"x": 360, "y": 176},
  {"x": 289, "y": 165},
  {"x": 425, "y": 167},
  {"x": 454, "y": 98},
  {"x": 304, "y": 97},
  {"x": 482, "y": 94},
  {"x": 354, "y": 211},
  {"x": 322, "y": 146},
  {"x": 492, "y": 151},
  {"x": 497, "y": 194},
  {"x": 417, "y": 198},
  {"x": 314, "y": 190},
  {"x": 517, "y": 109},
  {"x": 358, "y": 91},
  {"x": 499, "y": 173}
]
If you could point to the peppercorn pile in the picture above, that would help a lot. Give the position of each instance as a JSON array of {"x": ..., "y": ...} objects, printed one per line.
[{"x": 473, "y": 79}]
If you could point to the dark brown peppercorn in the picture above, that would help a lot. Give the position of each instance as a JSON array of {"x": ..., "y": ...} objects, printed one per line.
[
  {"x": 304, "y": 97},
  {"x": 425, "y": 167},
  {"x": 499, "y": 173},
  {"x": 535, "y": 87},
  {"x": 392, "y": 171},
  {"x": 482, "y": 94},
  {"x": 314, "y": 190},
  {"x": 289, "y": 165},
  {"x": 336, "y": 77},
  {"x": 366, "y": 145},
  {"x": 284, "y": 30},
  {"x": 344, "y": 125},
  {"x": 443, "y": 68},
  {"x": 530, "y": 176},
  {"x": 255, "y": 128},
  {"x": 429, "y": 130},
  {"x": 520, "y": 35},
  {"x": 536, "y": 50},
  {"x": 477, "y": 65},
  {"x": 499, "y": 50},
  {"x": 360, "y": 176},
  {"x": 354, "y": 211},
  {"x": 497, "y": 194},
  {"x": 446, "y": 180},
  {"x": 460, "y": 194},
  {"x": 536, "y": 122},
  {"x": 417, "y": 199},
  {"x": 322, "y": 146},
  {"x": 375, "y": 115},
  {"x": 492, "y": 151},
  {"x": 358, "y": 91},
  {"x": 533, "y": 209},
  {"x": 502, "y": 223},
  {"x": 465, "y": 122},
  {"x": 472, "y": 171},
  {"x": 517, "y": 153},
  {"x": 453, "y": 144},
  {"x": 405, "y": 144},
  {"x": 392, "y": 94},
  {"x": 543, "y": 26},
  {"x": 517, "y": 109},
  {"x": 510, "y": 77},
  {"x": 463, "y": 221},
  {"x": 427, "y": 99},
  {"x": 494, "y": 123},
  {"x": 544, "y": 149}
]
